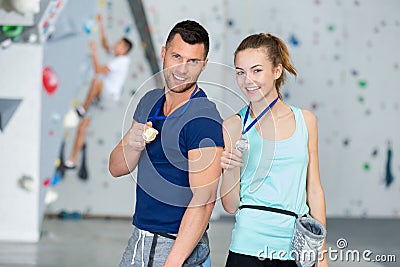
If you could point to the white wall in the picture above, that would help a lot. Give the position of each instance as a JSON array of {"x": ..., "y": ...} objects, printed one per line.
[{"x": 20, "y": 68}]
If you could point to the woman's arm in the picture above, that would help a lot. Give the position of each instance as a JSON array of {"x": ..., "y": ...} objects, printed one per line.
[
  {"x": 231, "y": 161},
  {"x": 315, "y": 192}
]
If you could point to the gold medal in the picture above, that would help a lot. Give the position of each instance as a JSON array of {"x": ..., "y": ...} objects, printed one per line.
[{"x": 149, "y": 134}]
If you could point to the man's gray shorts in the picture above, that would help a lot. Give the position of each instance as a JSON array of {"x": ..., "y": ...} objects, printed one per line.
[{"x": 137, "y": 253}]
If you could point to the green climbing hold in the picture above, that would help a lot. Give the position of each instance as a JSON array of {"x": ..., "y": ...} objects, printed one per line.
[
  {"x": 12, "y": 31},
  {"x": 362, "y": 83},
  {"x": 366, "y": 166},
  {"x": 331, "y": 28}
]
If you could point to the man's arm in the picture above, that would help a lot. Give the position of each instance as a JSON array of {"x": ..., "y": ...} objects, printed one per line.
[
  {"x": 125, "y": 156},
  {"x": 103, "y": 37},
  {"x": 98, "y": 69},
  {"x": 231, "y": 162},
  {"x": 204, "y": 174}
]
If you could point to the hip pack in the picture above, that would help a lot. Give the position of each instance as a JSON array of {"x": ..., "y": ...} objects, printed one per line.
[{"x": 308, "y": 236}]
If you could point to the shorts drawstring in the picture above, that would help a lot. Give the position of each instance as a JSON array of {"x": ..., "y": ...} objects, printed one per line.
[
  {"x": 142, "y": 235},
  {"x": 134, "y": 250},
  {"x": 143, "y": 249}
]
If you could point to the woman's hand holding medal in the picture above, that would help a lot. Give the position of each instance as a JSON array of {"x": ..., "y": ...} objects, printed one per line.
[{"x": 231, "y": 158}]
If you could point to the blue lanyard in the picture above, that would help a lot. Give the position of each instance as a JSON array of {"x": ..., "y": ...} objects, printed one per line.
[
  {"x": 162, "y": 117},
  {"x": 258, "y": 117}
]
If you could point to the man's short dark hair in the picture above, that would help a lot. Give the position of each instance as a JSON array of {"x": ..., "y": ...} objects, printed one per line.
[
  {"x": 128, "y": 43},
  {"x": 192, "y": 33}
]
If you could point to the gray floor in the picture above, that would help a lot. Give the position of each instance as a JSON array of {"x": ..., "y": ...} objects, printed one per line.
[{"x": 99, "y": 242}]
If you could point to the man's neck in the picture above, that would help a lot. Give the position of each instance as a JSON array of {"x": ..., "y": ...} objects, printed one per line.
[{"x": 174, "y": 100}]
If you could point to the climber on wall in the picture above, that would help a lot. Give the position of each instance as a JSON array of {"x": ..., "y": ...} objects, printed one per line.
[{"x": 106, "y": 86}]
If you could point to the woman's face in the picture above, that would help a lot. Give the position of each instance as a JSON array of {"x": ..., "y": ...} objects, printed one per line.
[{"x": 255, "y": 74}]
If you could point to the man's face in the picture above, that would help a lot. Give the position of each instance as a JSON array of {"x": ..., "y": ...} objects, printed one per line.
[
  {"x": 120, "y": 48},
  {"x": 182, "y": 64}
]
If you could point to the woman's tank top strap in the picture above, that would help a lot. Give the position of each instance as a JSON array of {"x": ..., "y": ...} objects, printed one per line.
[
  {"x": 242, "y": 113},
  {"x": 301, "y": 127}
]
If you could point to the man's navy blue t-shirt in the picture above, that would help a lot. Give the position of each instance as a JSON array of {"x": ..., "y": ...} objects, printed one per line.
[{"x": 163, "y": 191}]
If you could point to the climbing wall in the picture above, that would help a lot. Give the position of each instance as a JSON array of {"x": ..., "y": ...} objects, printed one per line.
[
  {"x": 100, "y": 194},
  {"x": 35, "y": 95},
  {"x": 348, "y": 76}
]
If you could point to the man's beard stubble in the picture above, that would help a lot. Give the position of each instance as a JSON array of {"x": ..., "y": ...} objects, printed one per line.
[
  {"x": 175, "y": 88},
  {"x": 187, "y": 87}
]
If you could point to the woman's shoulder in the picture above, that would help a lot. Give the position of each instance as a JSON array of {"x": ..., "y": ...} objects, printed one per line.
[
  {"x": 308, "y": 115},
  {"x": 310, "y": 119}
]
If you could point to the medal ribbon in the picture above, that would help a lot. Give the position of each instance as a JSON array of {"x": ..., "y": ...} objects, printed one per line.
[
  {"x": 162, "y": 117},
  {"x": 258, "y": 117}
]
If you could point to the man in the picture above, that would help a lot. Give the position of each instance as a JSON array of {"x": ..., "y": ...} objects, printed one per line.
[
  {"x": 178, "y": 171},
  {"x": 106, "y": 87}
]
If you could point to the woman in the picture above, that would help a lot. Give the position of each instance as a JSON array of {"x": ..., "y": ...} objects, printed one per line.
[{"x": 270, "y": 159}]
